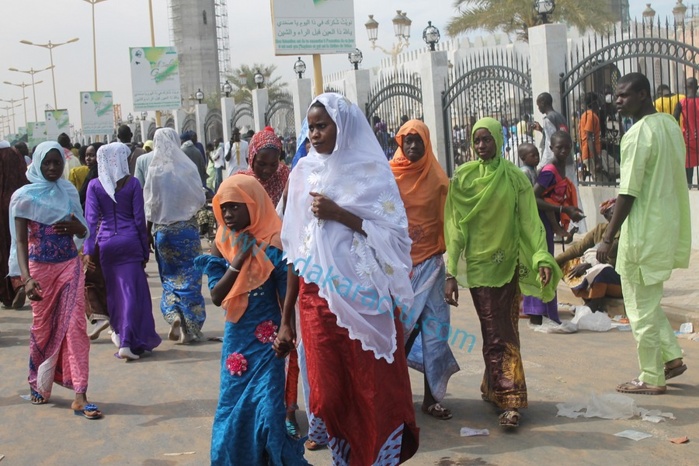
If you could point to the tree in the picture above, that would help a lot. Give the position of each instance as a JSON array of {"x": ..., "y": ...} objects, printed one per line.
[
  {"x": 517, "y": 16},
  {"x": 243, "y": 81}
]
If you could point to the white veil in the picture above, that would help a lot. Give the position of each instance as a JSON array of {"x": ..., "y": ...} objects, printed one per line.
[
  {"x": 112, "y": 165},
  {"x": 357, "y": 275},
  {"x": 173, "y": 191}
]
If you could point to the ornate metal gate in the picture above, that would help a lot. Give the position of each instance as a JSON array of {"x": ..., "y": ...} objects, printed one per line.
[
  {"x": 213, "y": 126},
  {"x": 665, "y": 53},
  {"x": 241, "y": 111},
  {"x": 280, "y": 115},
  {"x": 393, "y": 98},
  {"x": 495, "y": 84}
]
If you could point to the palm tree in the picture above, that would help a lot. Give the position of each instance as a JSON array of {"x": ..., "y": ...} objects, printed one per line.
[
  {"x": 243, "y": 80},
  {"x": 517, "y": 16}
]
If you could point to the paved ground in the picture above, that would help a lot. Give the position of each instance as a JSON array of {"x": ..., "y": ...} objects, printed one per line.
[{"x": 158, "y": 411}]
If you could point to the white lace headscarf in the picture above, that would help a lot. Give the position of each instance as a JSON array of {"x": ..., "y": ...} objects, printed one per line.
[
  {"x": 173, "y": 191},
  {"x": 357, "y": 275},
  {"x": 112, "y": 165}
]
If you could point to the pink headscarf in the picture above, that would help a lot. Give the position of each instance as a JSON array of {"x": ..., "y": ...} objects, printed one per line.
[{"x": 266, "y": 139}]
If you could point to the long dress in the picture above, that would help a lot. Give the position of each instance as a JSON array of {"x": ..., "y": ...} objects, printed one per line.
[
  {"x": 12, "y": 177},
  {"x": 249, "y": 425},
  {"x": 123, "y": 246},
  {"x": 176, "y": 247},
  {"x": 58, "y": 343}
]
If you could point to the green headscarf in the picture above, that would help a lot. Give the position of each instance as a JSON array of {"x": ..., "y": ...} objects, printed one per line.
[{"x": 492, "y": 225}]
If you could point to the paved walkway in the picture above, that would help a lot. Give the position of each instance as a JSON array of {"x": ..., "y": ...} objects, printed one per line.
[{"x": 159, "y": 410}]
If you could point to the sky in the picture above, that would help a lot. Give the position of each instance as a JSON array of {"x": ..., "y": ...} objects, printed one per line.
[{"x": 121, "y": 24}]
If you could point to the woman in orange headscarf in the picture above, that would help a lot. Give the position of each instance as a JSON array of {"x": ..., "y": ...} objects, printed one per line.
[
  {"x": 247, "y": 277},
  {"x": 423, "y": 187}
]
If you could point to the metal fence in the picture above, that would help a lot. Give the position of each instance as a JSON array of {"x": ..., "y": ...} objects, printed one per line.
[
  {"x": 664, "y": 52},
  {"x": 491, "y": 83},
  {"x": 394, "y": 99}
]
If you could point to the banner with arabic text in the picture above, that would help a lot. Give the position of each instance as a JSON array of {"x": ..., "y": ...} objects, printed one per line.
[
  {"x": 155, "y": 78},
  {"x": 97, "y": 112}
]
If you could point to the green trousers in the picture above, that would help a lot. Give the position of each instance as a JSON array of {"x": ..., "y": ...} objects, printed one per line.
[{"x": 656, "y": 342}]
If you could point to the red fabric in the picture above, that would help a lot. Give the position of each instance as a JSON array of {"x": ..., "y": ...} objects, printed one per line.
[
  {"x": 562, "y": 193},
  {"x": 291, "y": 390},
  {"x": 276, "y": 183},
  {"x": 690, "y": 114},
  {"x": 361, "y": 399}
]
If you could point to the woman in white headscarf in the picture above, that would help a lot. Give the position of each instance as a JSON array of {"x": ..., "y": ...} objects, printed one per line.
[
  {"x": 345, "y": 234},
  {"x": 45, "y": 217},
  {"x": 173, "y": 195},
  {"x": 114, "y": 213}
]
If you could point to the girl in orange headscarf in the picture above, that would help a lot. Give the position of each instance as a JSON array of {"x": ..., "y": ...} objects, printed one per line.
[
  {"x": 423, "y": 187},
  {"x": 247, "y": 277}
]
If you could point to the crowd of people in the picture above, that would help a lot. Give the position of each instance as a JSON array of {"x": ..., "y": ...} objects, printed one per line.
[{"x": 344, "y": 265}]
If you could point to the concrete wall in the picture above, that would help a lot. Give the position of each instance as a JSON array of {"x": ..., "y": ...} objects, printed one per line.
[
  {"x": 197, "y": 48},
  {"x": 592, "y": 196}
]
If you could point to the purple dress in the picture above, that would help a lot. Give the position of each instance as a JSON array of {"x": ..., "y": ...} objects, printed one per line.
[
  {"x": 123, "y": 246},
  {"x": 535, "y": 306}
]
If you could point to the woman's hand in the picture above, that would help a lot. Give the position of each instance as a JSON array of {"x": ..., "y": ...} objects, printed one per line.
[
  {"x": 248, "y": 243},
  {"x": 88, "y": 264},
  {"x": 71, "y": 227},
  {"x": 325, "y": 208},
  {"x": 33, "y": 290},
  {"x": 544, "y": 275},
  {"x": 574, "y": 213},
  {"x": 285, "y": 341},
  {"x": 579, "y": 270},
  {"x": 603, "y": 252},
  {"x": 451, "y": 291}
]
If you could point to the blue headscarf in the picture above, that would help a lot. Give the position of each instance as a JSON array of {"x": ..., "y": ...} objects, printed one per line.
[
  {"x": 42, "y": 201},
  {"x": 301, "y": 144}
]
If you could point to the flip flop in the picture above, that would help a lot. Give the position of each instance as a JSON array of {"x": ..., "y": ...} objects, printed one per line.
[
  {"x": 292, "y": 428},
  {"x": 640, "y": 388},
  {"x": 313, "y": 445},
  {"x": 37, "y": 399},
  {"x": 437, "y": 411},
  {"x": 509, "y": 418},
  {"x": 675, "y": 371},
  {"x": 89, "y": 411}
]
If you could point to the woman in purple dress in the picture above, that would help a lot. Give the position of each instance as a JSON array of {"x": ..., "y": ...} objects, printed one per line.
[{"x": 115, "y": 203}]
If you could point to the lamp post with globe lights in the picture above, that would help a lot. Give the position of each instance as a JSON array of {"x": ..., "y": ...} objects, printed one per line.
[
  {"x": 227, "y": 88},
  {"x": 299, "y": 67},
  {"x": 259, "y": 79},
  {"x": 401, "y": 30},
  {"x": 544, "y": 8},
  {"x": 431, "y": 36},
  {"x": 355, "y": 57}
]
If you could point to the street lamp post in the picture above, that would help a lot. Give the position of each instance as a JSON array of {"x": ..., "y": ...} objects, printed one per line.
[
  {"x": 401, "y": 29},
  {"x": 7, "y": 111},
  {"x": 648, "y": 16},
  {"x": 50, "y": 45},
  {"x": 227, "y": 88},
  {"x": 431, "y": 36},
  {"x": 355, "y": 58},
  {"x": 544, "y": 8},
  {"x": 24, "y": 97},
  {"x": 199, "y": 95},
  {"x": 32, "y": 72},
  {"x": 259, "y": 79},
  {"x": 299, "y": 67},
  {"x": 678, "y": 12},
  {"x": 94, "y": 36}
]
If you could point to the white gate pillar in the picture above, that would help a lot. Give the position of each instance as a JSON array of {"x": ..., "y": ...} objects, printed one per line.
[
  {"x": 260, "y": 99},
  {"x": 433, "y": 71}
]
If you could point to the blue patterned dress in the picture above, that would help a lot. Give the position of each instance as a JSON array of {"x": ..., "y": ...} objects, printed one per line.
[
  {"x": 176, "y": 247},
  {"x": 249, "y": 427}
]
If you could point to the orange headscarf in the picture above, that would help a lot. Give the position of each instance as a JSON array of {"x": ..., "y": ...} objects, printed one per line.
[
  {"x": 423, "y": 187},
  {"x": 265, "y": 227}
]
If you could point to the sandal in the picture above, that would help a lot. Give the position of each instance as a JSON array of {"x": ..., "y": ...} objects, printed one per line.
[
  {"x": 37, "y": 399},
  {"x": 640, "y": 388},
  {"x": 174, "y": 333},
  {"x": 292, "y": 428},
  {"x": 89, "y": 411},
  {"x": 509, "y": 418},
  {"x": 312, "y": 445},
  {"x": 671, "y": 372},
  {"x": 437, "y": 411}
]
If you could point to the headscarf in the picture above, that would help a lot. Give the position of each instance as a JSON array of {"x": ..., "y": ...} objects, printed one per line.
[
  {"x": 4, "y": 144},
  {"x": 492, "y": 224},
  {"x": 113, "y": 165},
  {"x": 274, "y": 185},
  {"x": 606, "y": 205},
  {"x": 148, "y": 145},
  {"x": 301, "y": 144},
  {"x": 423, "y": 187},
  {"x": 173, "y": 191},
  {"x": 91, "y": 175},
  {"x": 265, "y": 227},
  {"x": 358, "y": 275},
  {"x": 42, "y": 201}
]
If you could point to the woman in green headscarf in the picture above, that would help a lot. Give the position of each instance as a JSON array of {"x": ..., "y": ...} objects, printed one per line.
[{"x": 496, "y": 246}]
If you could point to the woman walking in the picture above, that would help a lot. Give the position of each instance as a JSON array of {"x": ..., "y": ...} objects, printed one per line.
[
  {"x": 264, "y": 154},
  {"x": 173, "y": 195},
  {"x": 12, "y": 177},
  {"x": 45, "y": 215},
  {"x": 495, "y": 242},
  {"x": 115, "y": 205},
  {"x": 345, "y": 218},
  {"x": 247, "y": 276}
]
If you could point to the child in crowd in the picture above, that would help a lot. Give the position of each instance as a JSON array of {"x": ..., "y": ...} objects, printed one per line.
[{"x": 529, "y": 155}]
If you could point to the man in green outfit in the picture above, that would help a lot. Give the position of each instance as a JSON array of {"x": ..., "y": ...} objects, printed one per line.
[{"x": 652, "y": 210}]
